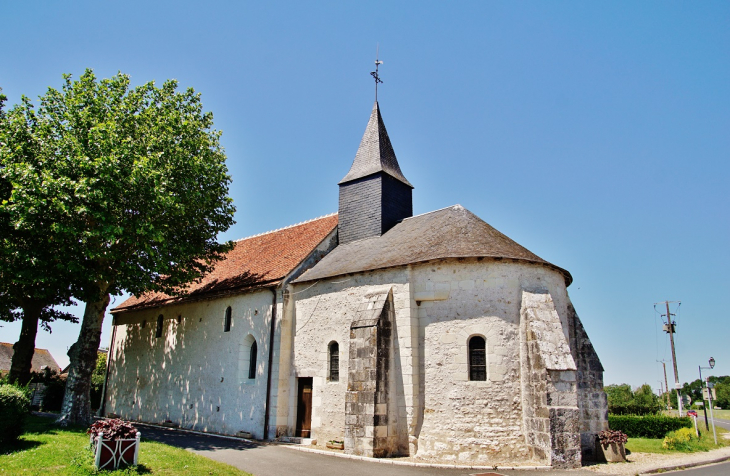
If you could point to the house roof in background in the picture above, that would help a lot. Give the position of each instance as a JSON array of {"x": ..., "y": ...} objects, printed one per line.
[
  {"x": 41, "y": 358},
  {"x": 257, "y": 261},
  {"x": 452, "y": 232}
]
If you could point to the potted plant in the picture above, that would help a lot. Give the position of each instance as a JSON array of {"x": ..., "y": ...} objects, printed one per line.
[
  {"x": 336, "y": 445},
  {"x": 611, "y": 445},
  {"x": 115, "y": 442}
]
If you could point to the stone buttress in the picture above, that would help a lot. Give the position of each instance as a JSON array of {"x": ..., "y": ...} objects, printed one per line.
[
  {"x": 371, "y": 426},
  {"x": 549, "y": 390}
]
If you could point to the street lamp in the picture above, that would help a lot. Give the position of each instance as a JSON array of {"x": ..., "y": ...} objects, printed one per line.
[{"x": 709, "y": 397}]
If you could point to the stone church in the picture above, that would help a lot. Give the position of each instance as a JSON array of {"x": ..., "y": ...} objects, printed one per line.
[{"x": 434, "y": 336}]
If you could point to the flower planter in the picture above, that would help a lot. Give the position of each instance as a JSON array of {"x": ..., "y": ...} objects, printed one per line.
[
  {"x": 111, "y": 454},
  {"x": 336, "y": 445},
  {"x": 612, "y": 452}
]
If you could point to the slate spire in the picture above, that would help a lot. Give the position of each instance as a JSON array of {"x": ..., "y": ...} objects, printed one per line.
[
  {"x": 376, "y": 153},
  {"x": 374, "y": 195}
]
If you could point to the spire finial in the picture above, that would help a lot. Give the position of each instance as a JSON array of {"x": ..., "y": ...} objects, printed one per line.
[{"x": 374, "y": 74}]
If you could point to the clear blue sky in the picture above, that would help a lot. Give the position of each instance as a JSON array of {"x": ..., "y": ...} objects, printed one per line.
[{"x": 596, "y": 134}]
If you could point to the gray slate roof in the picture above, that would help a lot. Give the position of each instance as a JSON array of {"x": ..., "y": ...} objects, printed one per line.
[
  {"x": 41, "y": 358},
  {"x": 376, "y": 153},
  {"x": 452, "y": 232}
]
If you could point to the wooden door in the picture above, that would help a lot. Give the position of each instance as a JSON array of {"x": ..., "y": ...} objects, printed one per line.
[{"x": 304, "y": 407}]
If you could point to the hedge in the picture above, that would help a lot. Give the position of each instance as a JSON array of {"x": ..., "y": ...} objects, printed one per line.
[
  {"x": 14, "y": 406},
  {"x": 647, "y": 426}
]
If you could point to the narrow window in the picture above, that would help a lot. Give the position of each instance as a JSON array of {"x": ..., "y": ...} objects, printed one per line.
[
  {"x": 227, "y": 320},
  {"x": 252, "y": 362},
  {"x": 477, "y": 359},
  {"x": 158, "y": 332},
  {"x": 334, "y": 362}
]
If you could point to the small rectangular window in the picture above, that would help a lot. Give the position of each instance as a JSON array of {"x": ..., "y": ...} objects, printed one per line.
[
  {"x": 158, "y": 332},
  {"x": 227, "y": 320}
]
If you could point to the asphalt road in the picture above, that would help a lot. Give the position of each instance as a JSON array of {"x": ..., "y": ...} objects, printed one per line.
[
  {"x": 264, "y": 459},
  {"x": 720, "y": 469}
]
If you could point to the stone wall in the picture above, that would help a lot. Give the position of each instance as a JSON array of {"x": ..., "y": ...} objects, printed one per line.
[
  {"x": 438, "y": 306},
  {"x": 549, "y": 389},
  {"x": 195, "y": 375},
  {"x": 592, "y": 400},
  {"x": 324, "y": 312}
]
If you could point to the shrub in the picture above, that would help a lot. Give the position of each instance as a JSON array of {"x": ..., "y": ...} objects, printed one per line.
[
  {"x": 114, "y": 429},
  {"x": 14, "y": 406},
  {"x": 647, "y": 426},
  {"x": 679, "y": 440}
]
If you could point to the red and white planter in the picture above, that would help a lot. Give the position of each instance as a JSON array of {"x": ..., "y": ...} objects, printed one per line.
[{"x": 111, "y": 454}]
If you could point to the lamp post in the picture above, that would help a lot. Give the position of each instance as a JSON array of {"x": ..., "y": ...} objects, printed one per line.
[{"x": 709, "y": 396}]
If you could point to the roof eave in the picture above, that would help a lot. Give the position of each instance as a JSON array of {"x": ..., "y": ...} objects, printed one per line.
[
  {"x": 566, "y": 274},
  {"x": 206, "y": 296}
]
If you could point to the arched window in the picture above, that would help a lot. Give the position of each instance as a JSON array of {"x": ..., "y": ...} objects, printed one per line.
[
  {"x": 252, "y": 362},
  {"x": 334, "y": 359},
  {"x": 158, "y": 332},
  {"x": 227, "y": 320},
  {"x": 477, "y": 359}
]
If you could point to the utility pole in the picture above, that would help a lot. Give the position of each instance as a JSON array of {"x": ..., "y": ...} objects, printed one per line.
[
  {"x": 666, "y": 383},
  {"x": 670, "y": 329}
]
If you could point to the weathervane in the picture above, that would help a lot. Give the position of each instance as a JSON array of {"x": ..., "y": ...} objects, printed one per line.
[{"x": 374, "y": 74}]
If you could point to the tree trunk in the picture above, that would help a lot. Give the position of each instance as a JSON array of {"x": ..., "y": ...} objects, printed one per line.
[
  {"x": 24, "y": 349},
  {"x": 76, "y": 406}
]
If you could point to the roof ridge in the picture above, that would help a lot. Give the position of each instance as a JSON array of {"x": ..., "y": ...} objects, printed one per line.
[
  {"x": 286, "y": 227},
  {"x": 458, "y": 206}
]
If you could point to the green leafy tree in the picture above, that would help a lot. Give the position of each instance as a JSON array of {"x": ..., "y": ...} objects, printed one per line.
[
  {"x": 137, "y": 191},
  {"x": 622, "y": 400},
  {"x": 33, "y": 277},
  {"x": 619, "y": 394},
  {"x": 722, "y": 390}
]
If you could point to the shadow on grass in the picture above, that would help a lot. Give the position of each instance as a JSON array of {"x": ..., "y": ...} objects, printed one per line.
[
  {"x": 17, "y": 446},
  {"x": 35, "y": 425}
]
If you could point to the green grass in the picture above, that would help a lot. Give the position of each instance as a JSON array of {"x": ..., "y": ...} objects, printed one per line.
[
  {"x": 720, "y": 414},
  {"x": 654, "y": 445},
  {"x": 48, "y": 449}
]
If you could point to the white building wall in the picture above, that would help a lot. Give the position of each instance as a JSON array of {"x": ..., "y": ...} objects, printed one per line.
[
  {"x": 466, "y": 420},
  {"x": 195, "y": 375},
  {"x": 323, "y": 313},
  {"x": 438, "y": 306}
]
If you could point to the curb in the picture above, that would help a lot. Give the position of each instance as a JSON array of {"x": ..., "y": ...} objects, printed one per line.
[
  {"x": 686, "y": 466},
  {"x": 417, "y": 465}
]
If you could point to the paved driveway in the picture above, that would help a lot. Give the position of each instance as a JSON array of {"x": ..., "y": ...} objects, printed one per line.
[{"x": 276, "y": 460}]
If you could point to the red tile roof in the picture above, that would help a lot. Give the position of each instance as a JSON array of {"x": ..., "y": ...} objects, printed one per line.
[
  {"x": 41, "y": 358},
  {"x": 254, "y": 262}
]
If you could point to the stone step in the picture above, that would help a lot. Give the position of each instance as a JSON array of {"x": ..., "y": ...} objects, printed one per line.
[{"x": 297, "y": 440}]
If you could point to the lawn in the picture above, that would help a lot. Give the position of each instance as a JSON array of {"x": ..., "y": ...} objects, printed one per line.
[
  {"x": 47, "y": 449},
  {"x": 654, "y": 445}
]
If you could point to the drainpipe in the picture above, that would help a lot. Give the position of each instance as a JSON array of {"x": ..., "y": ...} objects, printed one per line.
[
  {"x": 271, "y": 361},
  {"x": 102, "y": 406}
]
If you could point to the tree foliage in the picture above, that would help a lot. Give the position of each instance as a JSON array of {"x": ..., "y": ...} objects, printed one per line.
[
  {"x": 133, "y": 186},
  {"x": 622, "y": 400},
  {"x": 33, "y": 276}
]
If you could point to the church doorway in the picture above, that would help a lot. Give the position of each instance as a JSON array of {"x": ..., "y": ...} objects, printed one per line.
[{"x": 304, "y": 407}]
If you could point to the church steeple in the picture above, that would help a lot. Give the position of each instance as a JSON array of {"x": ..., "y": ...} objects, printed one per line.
[
  {"x": 376, "y": 153},
  {"x": 374, "y": 195}
]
